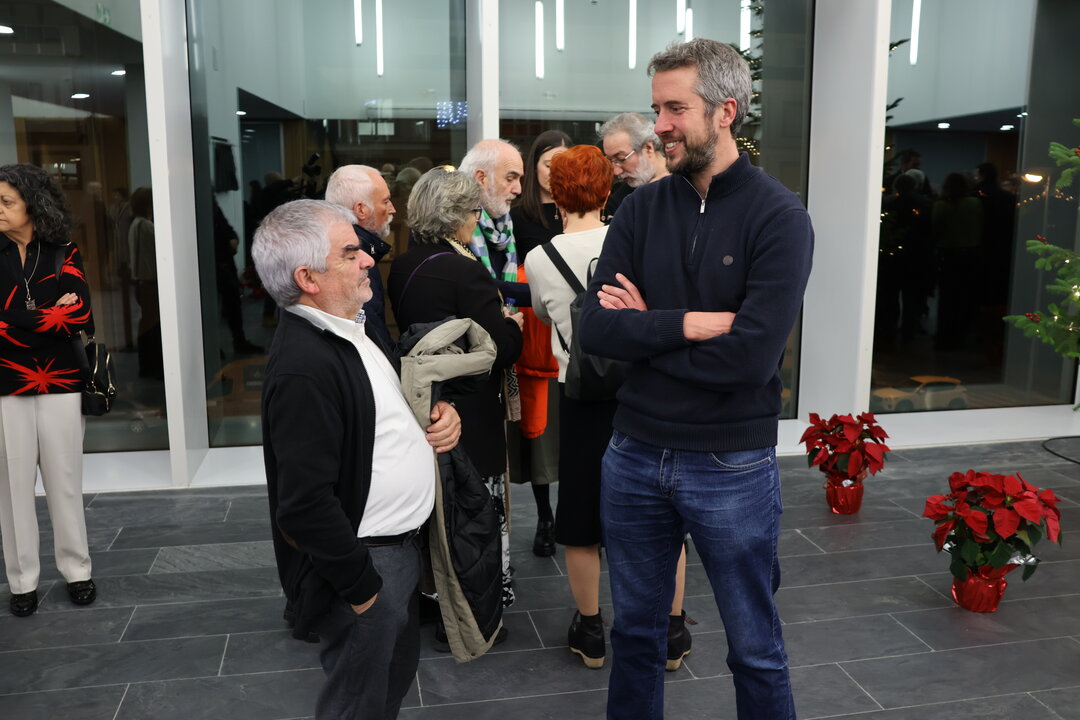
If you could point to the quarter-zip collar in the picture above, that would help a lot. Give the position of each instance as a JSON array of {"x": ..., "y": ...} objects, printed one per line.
[{"x": 728, "y": 181}]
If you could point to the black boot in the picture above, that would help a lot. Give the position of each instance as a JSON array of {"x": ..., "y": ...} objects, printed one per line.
[
  {"x": 586, "y": 638},
  {"x": 678, "y": 641},
  {"x": 544, "y": 542}
]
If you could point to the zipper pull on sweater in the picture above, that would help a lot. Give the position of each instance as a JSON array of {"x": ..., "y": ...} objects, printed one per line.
[{"x": 702, "y": 210}]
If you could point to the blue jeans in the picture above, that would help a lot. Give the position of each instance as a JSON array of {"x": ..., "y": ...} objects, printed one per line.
[{"x": 730, "y": 504}]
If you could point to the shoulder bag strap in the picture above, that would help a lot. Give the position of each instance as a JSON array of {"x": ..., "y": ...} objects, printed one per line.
[
  {"x": 571, "y": 279},
  {"x": 409, "y": 280}
]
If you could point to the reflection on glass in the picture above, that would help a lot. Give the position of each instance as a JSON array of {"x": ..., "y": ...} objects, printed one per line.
[
  {"x": 589, "y": 81},
  {"x": 72, "y": 101},
  {"x": 283, "y": 95},
  {"x": 967, "y": 182}
]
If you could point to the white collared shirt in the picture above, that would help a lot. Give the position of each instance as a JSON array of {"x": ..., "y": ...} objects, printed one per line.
[{"x": 402, "y": 493}]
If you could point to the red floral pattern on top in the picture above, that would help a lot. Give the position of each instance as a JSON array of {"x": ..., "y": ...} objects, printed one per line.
[
  {"x": 42, "y": 380},
  {"x": 37, "y": 355}
]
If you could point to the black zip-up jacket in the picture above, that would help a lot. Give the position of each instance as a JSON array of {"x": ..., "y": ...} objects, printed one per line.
[
  {"x": 318, "y": 418},
  {"x": 745, "y": 248}
]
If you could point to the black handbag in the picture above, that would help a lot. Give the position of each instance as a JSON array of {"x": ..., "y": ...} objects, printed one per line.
[{"x": 97, "y": 366}]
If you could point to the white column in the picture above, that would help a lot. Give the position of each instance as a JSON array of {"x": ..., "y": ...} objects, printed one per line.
[
  {"x": 168, "y": 114},
  {"x": 847, "y": 137},
  {"x": 9, "y": 151},
  {"x": 482, "y": 69}
]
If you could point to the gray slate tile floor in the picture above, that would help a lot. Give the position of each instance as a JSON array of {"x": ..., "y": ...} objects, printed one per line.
[{"x": 188, "y": 620}]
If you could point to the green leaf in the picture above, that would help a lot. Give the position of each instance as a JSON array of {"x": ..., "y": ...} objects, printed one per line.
[
  {"x": 1000, "y": 555},
  {"x": 1029, "y": 570},
  {"x": 1034, "y": 532},
  {"x": 957, "y": 567},
  {"x": 969, "y": 551}
]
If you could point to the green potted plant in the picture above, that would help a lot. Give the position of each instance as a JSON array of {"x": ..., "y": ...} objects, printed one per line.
[
  {"x": 846, "y": 448},
  {"x": 989, "y": 524}
]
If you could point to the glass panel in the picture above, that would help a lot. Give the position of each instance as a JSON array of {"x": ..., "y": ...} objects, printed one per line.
[
  {"x": 596, "y": 75},
  {"x": 72, "y": 101},
  {"x": 977, "y": 95},
  {"x": 282, "y": 94}
]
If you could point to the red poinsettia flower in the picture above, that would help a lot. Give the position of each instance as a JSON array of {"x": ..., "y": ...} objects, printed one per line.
[
  {"x": 845, "y": 446},
  {"x": 987, "y": 520}
]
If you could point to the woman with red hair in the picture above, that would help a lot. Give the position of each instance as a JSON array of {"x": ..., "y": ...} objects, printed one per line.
[{"x": 580, "y": 184}]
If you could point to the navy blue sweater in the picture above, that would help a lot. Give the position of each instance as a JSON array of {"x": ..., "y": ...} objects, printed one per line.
[{"x": 746, "y": 248}]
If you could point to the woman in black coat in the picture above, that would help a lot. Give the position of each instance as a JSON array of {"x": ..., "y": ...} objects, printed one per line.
[{"x": 439, "y": 278}]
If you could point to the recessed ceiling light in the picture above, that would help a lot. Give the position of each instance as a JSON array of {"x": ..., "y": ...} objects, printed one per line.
[
  {"x": 80, "y": 96},
  {"x": 118, "y": 73},
  {"x": 1008, "y": 127},
  {"x": 1033, "y": 177},
  {"x": 944, "y": 126},
  {"x": 241, "y": 112},
  {"x": 5, "y": 30}
]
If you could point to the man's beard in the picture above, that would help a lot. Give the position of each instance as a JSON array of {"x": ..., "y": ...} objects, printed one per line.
[
  {"x": 384, "y": 230},
  {"x": 494, "y": 205},
  {"x": 697, "y": 156},
  {"x": 643, "y": 175}
]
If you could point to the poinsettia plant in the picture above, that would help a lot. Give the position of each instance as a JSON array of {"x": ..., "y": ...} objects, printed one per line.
[
  {"x": 990, "y": 523},
  {"x": 845, "y": 447}
]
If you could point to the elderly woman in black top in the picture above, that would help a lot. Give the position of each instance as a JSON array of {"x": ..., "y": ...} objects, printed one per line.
[
  {"x": 44, "y": 300},
  {"x": 438, "y": 278}
]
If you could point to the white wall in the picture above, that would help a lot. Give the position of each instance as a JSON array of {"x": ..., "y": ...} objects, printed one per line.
[
  {"x": 973, "y": 57},
  {"x": 591, "y": 77},
  {"x": 340, "y": 76},
  {"x": 123, "y": 15}
]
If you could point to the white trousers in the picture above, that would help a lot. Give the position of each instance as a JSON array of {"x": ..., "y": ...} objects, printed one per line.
[{"x": 45, "y": 430}]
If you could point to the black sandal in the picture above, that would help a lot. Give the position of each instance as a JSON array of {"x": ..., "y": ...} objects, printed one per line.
[{"x": 82, "y": 592}]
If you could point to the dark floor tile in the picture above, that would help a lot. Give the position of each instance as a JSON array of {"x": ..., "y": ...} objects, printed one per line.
[
  {"x": 1066, "y": 702},
  {"x": 218, "y": 556},
  {"x": 527, "y": 565},
  {"x": 825, "y": 690},
  {"x": 991, "y": 457},
  {"x": 561, "y": 706},
  {"x": 81, "y": 626},
  {"x": 111, "y": 511},
  {"x": 866, "y": 536},
  {"x": 851, "y": 599},
  {"x": 276, "y": 650},
  {"x": 216, "y": 617},
  {"x": 247, "y": 509},
  {"x": 93, "y": 703},
  {"x": 227, "y": 492},
  {"x": 817, "y": 515},
  {"x": 549, "y": 592},
  {"x": 859, "y": 565},
  {"x": 1015, "y": 620},
  {"x": 181, "y": 587},
  {"x": 999, "y": 707},
  {"x": 98, "y": 539},
  {"x": 504, "y": 675},
  {"x": 106, "y": 564},
  {"x": 267, "y": 696},
  {"x": 831, "y": 641},
  {"x": 109, "y": 664},
  {"x": 793, "y": 542},
  {"x": 172, "y": 534},
  {"x": 521, "y": 635},
  {"x": 959, "y": 674}
]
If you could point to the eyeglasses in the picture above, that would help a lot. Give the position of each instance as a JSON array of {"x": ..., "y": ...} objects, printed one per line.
[
  {"x": 621, "y": 160},
  {"x": 478, "y": 212}
]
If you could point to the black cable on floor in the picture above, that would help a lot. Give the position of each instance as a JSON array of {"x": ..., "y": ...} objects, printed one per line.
[{"x": 1063, "y": 437}]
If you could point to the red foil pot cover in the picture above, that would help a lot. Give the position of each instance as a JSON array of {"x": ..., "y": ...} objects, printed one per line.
[
  {"x": 982, "y": 590},
  {"x": 844, "y": 500}
]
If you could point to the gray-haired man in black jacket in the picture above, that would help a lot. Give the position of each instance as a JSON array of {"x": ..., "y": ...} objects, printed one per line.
[{"x": 348, "y": 469}]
